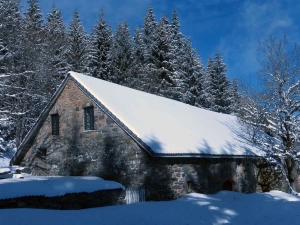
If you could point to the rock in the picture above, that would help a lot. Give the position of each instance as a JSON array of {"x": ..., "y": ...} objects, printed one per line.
[{"x": 21, "y": 204}]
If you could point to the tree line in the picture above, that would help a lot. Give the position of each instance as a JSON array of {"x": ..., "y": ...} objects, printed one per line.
[{"x": 35, "y": 56}]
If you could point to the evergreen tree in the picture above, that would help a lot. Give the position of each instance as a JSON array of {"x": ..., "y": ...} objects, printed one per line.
[
  {"x": 56, "y": 46},
  {"x": 10, "y": 43},
  {"x": 33, "y": 38},
  {"x": 148, "y": 36},
  {"x": 101, "y": 47},
  {"x": 78, "y": 48},
  {"x": 177, "y": 38},
  {"x": 220, "y": 86},
  {"x": 189, "y": 71},
  {"x": 162, "y": 67},
  {"x": 122, "y": 55},
  {"x": 26, "y": 81},
  {"x": 236, "y": 96},
  {"x": 33, "y": 16},
  {"x": 205, "y": 97},
  {"x": 148, "y": 79},
  {"x": 10, "y": 21},
  {"x": 137, "y": 70}
]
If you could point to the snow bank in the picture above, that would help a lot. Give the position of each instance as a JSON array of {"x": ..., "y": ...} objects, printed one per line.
[
  {"x": 169, "y": 126},
  {"x": 4, "y": 170},
  {"x": 53, "y": 186},
  {"x": 223, "y": 208},
  {"x": 4, "y": 161}
]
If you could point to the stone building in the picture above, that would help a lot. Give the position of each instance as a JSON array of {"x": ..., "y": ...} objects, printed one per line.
[{"x": 92, "y": 127}]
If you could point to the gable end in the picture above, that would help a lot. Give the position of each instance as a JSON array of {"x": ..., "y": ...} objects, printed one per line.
[{"x": 114, "y": 118}]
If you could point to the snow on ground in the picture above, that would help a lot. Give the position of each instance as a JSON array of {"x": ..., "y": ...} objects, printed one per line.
[
  {"x": 222, "y": 208},
  {"x": 4, "y": 161},
  {"x": 169, "y": 126},
  {"x": 4, "y": 170},
  {"x": 52, "y": 186},
  {"x": 7, "y": 150}
]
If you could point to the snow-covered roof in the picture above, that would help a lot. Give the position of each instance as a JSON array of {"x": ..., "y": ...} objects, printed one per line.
[
  {"x": 161, "y": 126},
  {"x": 168, "y": 127},
  {"x": 50, "y": 186}
]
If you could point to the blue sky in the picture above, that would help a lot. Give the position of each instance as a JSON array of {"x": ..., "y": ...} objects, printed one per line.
[{"x": 232, "y": 26}]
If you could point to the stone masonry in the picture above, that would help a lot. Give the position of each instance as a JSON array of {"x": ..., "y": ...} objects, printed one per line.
[
  {"x": 81, "y": 200},
  {"x": 109, "y": 152}
]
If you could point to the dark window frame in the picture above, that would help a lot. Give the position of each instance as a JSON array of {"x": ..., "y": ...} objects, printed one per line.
[
  {"x": 55, "y": 124},
  {"x": 42, "y": 152},
  {"x": 89, "y": 118}
]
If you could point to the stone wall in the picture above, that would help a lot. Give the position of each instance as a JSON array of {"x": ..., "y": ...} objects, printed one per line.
[
  {"x": 69, "y": 201},
  {"x": 109, "y": 152}
]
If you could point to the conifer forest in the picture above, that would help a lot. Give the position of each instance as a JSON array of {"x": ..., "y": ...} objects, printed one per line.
[{"x": 35, "y": 56}]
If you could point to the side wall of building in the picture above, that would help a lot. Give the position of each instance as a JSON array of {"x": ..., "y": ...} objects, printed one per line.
[{"x": 109, "y": 152}]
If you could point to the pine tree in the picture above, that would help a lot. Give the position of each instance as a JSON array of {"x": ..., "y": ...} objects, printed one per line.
[
  {"x": 236, "y": 96},
  {"x": 147, "y": 37},
  {"x": 56, "y": 46},
  {"x": 101, "y": 47},
  {"x": 10, "y": 19},
  {"x": 220, "y": 86},
  {"x": 137, "y": 70},
  {"x": 33, "y": 16},
  {"x": 122, "y": 55},
  {"x": 189, "y": 70},
  {"x": 10, "y": 33},
  {"x": 33, "y": 37},
  {"x": 162, "y": 66},
  {"x": 78, "y": 48},
  {"x": 177, "y": 37},
  {"x": 10, "y": 41},
  {"x": 27, "y": 93}
]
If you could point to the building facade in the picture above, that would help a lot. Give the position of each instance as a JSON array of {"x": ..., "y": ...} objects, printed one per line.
[{"x": 76, "y": 135}]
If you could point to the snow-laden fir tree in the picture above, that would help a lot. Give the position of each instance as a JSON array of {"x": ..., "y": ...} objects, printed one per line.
[
  {"x": 10, "y": 35},
  {"x": 100, "y": 58},
  {"x": 147, "y": 37},
  {"x": 175, "y": 32},
  {"x": 188, "y": 73},
  {"x": 137, "y": 69},
  {"x": 26, "y": 93},
  {"x": 236, "y": 96},
  {"x": 220, "y": 86},
  {"x": 122, "y": 55},
  {"x": 78, "y": 47},
  {"x": 162, "y": 67},
  {"x": 56, "y": 47}
]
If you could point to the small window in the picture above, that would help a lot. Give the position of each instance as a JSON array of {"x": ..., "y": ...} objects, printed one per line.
[
  {"x": 89, "y": 118},
  {"x": 55, "y": 124},
  {"x": 42, "y": 153}
]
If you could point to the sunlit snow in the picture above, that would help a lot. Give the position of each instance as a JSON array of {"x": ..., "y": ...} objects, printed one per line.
[
  {"x": 53, "y": 186},
  {"x": 224, "y": 207},
  {"x": 169, "y": 126}
]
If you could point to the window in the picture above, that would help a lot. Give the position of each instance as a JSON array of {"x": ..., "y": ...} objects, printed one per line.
[
  {"x": 42, "y": 153},
  {"x": 89, "y": 118},
  {"x": 55, "y": 124}
]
